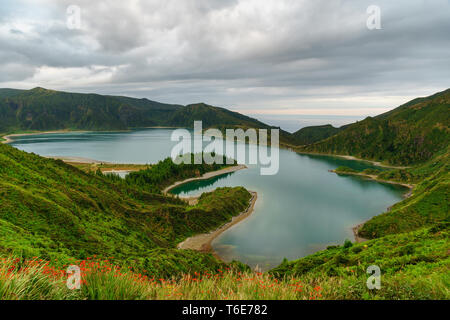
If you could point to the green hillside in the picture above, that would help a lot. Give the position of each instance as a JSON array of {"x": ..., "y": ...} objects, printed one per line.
[
  {"x": 314, "y": 134},
  {"x": 42, "y": 109},
  {"x": 408, "y": 135},
  {"x": 52, "y": 210},
  {"x": 211, "y": 116}
]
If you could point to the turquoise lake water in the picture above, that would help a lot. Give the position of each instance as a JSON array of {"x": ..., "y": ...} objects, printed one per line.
[{"x": 300, "y": 210}]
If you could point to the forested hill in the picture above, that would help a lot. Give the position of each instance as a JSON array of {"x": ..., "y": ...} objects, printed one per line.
[
  {"x": 313, "y": 134},
  {"x": 409, "y": 134},
  {"x": 43, "y": 109}
]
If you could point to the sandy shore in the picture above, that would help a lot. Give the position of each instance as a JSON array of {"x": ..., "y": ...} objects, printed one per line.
[
  {"x": 206, "y": 176},
  {"x": 202, "y": 242},
  {"x": 8, "y": 138},
  {"x": 78, "y": 160},
  {"x": 376, "y": 163}
]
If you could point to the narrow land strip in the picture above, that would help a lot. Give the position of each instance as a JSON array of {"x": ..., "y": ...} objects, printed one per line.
[
  {"x": 9, "y": 137},
  {"x": 375, "y": 163}
]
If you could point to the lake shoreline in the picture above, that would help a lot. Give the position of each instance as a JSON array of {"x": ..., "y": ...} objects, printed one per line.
[
  {"x": 203, "y": 242},
  {"x": 374, "y": 178}
]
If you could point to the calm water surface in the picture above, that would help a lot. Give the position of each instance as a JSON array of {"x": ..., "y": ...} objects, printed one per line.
[{"x": 302, "y": 209}]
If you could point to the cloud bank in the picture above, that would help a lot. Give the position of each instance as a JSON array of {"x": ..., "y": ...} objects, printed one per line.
[{"x": 286, "y": 57}]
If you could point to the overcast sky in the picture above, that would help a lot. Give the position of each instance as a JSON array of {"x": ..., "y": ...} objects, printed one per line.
[{"x": 289, "y": 59}]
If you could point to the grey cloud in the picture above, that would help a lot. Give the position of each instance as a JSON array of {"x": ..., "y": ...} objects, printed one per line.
[{"x": 227, "y": 52}]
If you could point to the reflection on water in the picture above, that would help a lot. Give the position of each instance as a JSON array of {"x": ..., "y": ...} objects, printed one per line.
[
  {"x": 302, "y": 209},
  {"x": 199, "y": 185}
]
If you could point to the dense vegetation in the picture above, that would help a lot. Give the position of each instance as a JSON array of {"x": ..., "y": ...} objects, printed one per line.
[
  {"x": 314, "y": 134},
  {"x": 408, "y": 135},
  {"x": 52, "y": 210}
]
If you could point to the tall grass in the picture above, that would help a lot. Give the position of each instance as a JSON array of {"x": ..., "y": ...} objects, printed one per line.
[
  {"x": 31, "y": 280},
  {"x": 36, "y": 280}
]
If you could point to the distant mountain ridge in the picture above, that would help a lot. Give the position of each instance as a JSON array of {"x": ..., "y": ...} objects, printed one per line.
[{"x": 43, "y": 109}]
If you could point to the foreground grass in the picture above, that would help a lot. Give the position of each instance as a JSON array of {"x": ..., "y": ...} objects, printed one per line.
[{"x": 38, "y": 280}]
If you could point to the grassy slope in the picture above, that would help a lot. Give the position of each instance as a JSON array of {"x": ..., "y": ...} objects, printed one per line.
[
  {"x": 53, "y": 210},
  {"x": 413, "y": 266},
  {"x": 408, "y": 135}
]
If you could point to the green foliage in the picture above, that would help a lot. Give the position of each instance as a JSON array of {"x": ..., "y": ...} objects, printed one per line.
[
  {"x": 371, "y": 172},
  {"x": 347, "y": 244},
  {"x": 344, "y": 169},
  {"x": 410, "y": 134}
]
